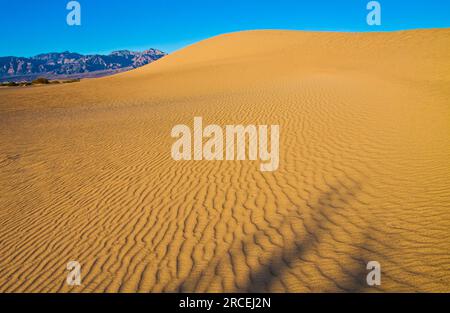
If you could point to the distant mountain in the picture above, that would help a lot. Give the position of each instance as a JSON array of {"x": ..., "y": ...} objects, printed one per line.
[{"x": 73, "y": 65}]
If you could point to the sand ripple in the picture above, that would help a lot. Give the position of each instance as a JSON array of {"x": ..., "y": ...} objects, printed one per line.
[{"x": 86, "y": 172}]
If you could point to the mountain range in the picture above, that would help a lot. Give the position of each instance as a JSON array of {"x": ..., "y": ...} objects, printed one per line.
[{"x": 66, "y": 64}]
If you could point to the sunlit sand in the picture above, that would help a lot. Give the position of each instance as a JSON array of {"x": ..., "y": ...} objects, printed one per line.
[{"x": 364, "y": 170}]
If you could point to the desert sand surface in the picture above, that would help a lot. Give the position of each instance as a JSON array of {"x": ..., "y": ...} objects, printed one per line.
[{"x": 87, "y": 174}]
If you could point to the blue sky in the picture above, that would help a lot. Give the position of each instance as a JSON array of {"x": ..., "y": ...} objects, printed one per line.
[{"x": 30, "y": 27}]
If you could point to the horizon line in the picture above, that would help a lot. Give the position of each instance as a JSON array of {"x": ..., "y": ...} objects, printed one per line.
[{"x": 108, "y": 52}]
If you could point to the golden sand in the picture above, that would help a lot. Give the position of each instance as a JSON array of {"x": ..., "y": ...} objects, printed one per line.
[{"x": 364, "y": 174}]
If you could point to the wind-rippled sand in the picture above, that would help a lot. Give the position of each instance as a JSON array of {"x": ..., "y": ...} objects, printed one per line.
[{"x": 87, "y": 174}]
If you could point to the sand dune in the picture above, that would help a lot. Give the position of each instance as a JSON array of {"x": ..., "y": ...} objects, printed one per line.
[{"x": 87, "y": 174}]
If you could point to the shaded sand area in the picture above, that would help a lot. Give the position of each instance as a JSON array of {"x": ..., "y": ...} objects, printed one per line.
[{"x": 87, "y": 174}]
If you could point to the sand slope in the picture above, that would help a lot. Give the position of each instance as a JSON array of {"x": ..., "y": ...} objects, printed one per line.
[{"x": 86, "y": 171}]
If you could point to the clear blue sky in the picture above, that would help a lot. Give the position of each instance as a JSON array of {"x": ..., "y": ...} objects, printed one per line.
[{"x": 29, "y": 27}]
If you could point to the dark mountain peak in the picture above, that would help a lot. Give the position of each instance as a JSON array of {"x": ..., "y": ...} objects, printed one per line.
[
  {"x": 153, "y": 51},
  {"x": 123, "y": 53},
  {"x": 55, "y": 55},
  {"x": 65, "y": 64}
]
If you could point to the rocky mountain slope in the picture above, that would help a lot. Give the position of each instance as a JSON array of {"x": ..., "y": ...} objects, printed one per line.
[{"x": 74, "y": 65}]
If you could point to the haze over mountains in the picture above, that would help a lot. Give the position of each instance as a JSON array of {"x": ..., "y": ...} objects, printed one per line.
[{"x": 73, "y": 65}]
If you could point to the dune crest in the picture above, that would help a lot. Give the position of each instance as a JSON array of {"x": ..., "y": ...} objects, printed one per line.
[{"x": 87, "y": 174}]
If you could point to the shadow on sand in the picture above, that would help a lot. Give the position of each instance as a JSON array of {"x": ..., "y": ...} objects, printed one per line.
[{"x": 283, "y": 259}]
